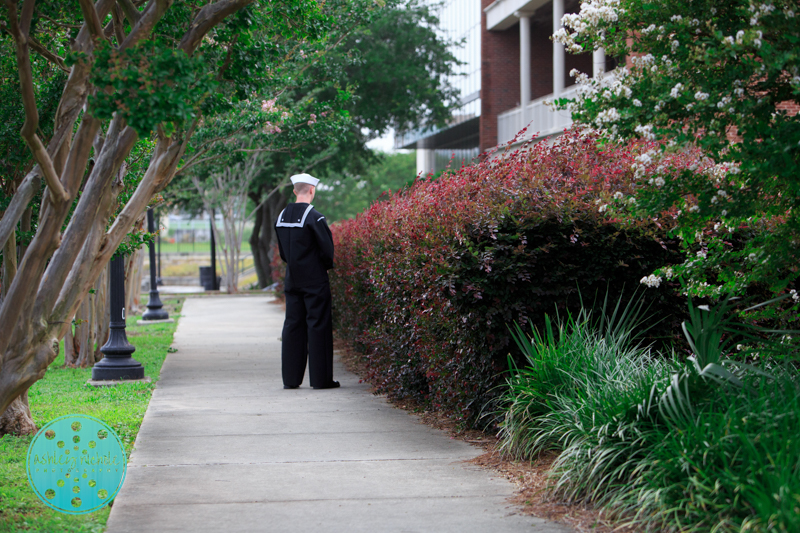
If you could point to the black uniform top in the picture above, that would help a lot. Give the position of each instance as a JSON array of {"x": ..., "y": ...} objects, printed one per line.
[{"x": 306, "y": 245}]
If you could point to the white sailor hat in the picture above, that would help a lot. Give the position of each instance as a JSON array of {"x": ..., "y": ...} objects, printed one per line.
[{"x": 304, "y": 178}]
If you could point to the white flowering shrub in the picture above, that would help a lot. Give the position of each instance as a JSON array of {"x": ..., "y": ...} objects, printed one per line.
[{"x": 722, "y": 78}]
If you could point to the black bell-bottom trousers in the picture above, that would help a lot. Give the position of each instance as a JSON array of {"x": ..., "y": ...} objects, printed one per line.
[{"x": 308, "y": 331}]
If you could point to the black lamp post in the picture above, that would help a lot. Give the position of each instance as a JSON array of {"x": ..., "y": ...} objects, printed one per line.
[
  {"x": 159, "y": 281},
  {"x": 117, "y": 363},
  {"x": 214, "y": 285},
  {"x": 155, "y": 309}
]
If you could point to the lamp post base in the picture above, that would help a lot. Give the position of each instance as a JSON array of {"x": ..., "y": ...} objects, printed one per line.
[
  {"x": 117, "y": 369},
  {"x": 155, "y": 309}
]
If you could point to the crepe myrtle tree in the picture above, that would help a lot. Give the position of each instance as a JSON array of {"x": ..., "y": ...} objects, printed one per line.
[
  {"x": 135, "y": 69},
  {"x": 722, "y": 78}
]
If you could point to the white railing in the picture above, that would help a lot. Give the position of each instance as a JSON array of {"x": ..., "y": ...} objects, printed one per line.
[{"x": 540, "y": 119}]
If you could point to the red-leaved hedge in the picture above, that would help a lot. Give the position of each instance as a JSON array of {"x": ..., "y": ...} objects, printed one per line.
[{"x": 427, "y": 282}]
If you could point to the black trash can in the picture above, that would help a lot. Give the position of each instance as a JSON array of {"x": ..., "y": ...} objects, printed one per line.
[{"x": 207, "y": 278}]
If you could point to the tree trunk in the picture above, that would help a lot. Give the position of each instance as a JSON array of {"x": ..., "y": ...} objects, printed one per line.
[
  {"x": 17, "y": 418},
  {"x": 70, "y": 353},
  {"x": 257, "y": 260},
  {"x": 133, "y": 282},
  {"x": 87, "y": 339},
  {"x": 9, "y": 261},
  {"x": 75, "y": 342},
  {"x": 134, "y": 269},
  {"x": 102, "y": 313},
  {"x": 264, "y": 237}
]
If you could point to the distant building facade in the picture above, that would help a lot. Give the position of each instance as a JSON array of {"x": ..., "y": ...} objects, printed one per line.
[
  {"x": 512, "y": 68},
  {"x": 459, "y": 22}
]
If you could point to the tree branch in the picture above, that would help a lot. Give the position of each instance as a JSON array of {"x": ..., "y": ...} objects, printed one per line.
[
  {"x": 19, "y": 202},
  {"x": 92, "y": 19},
  {"x": 96, "y": 188},
  {"x": 82, "y": 41},
  {"x": 19, "y": 30},
  {"x": 147, "y": 21},
  {"x": 228, "y": 57},
  {"x": 116, "y": 22},
  {"x": 209, "y": 16},
  {"x": 61, "y": 24},
  {"x": 48, "y": 55},
  {"x": 131, "y": 13}
]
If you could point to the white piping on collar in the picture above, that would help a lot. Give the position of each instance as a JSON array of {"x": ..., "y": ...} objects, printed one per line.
[{"x": 281, "y": 224}]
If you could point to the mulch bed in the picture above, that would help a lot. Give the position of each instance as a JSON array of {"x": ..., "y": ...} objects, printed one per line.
[{"x": 531, "y": 478}]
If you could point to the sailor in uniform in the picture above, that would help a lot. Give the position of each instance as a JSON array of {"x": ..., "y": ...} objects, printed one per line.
[{"x": 306, "y": 245}]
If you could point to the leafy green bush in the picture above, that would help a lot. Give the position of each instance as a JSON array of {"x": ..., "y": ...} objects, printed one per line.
[
  {"x": 427, "y": 281},
  {"x": 705, "y": 445}
]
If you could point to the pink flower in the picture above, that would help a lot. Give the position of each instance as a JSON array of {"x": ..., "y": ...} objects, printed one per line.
[{"x": 268, "y": 106}]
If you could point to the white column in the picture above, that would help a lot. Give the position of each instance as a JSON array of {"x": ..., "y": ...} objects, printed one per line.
[
  {"x": 558, "y": 50},
  {"x": 524, "y": 62},
  {"x": 598, "y": 62},
  {"x": 426, "y": 161}
]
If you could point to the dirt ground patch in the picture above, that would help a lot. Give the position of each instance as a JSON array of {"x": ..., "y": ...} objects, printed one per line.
[{"x": 531, "y": 478}]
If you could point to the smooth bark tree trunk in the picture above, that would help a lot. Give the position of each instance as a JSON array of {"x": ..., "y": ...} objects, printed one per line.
[
  {"x": 17, "y": 418},
  {"x": 102, "y": 313},
  {"x": 75, "y": 341},
  {"x": 9, "y": 260},
  {"x": 264, "y": 238},
  {"x": 134, "y": 270},
  {"x": 258, "y": 261}
]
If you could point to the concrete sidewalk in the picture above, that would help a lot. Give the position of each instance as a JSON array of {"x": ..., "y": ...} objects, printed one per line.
[{"x": 223, "y": 447}]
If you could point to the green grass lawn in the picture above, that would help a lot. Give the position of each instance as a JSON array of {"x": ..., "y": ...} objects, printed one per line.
[{"x": 64, "y": 391}]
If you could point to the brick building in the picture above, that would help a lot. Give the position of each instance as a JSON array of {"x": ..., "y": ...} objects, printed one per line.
[{"x": 511, "y": 69}]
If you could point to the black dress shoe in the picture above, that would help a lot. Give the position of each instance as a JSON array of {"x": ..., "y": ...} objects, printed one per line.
[
  {"x": 291, "y": 386},
  {"x": 331, "y": 385}
]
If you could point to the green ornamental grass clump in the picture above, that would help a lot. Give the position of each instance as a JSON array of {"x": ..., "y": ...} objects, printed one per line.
[{"x": 706, "y": 444}]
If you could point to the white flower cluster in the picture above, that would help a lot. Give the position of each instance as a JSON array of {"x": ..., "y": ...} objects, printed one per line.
[
  {"x": 607, "y": 116},
  {"x": 699, "y": 95},
  {"x": 651, "y": 281},
  {"x": 759, "y": 11},
  {"x": 580, "y": 77},
  {"x": 647, "y": 157},
  {"x": 675, "y": 92},
  {"x": 721, "y": 170},
  {"x": 645, "y": 131},
  {"x": 795, "y": 296},
  {"x": 593, "y": 14}
]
